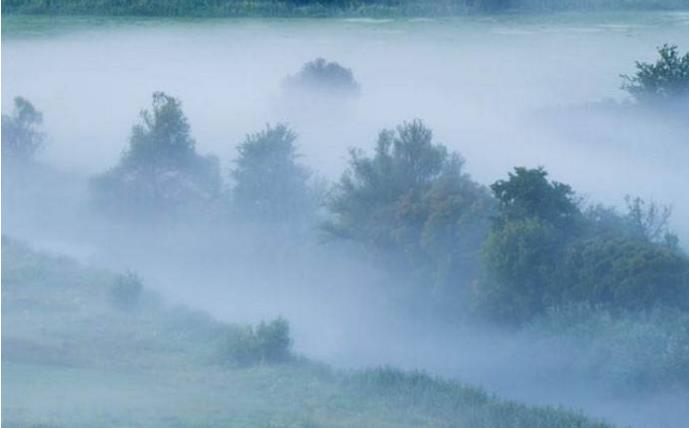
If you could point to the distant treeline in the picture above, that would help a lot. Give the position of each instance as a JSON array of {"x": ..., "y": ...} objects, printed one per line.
[{"x": 315, "y": 8}]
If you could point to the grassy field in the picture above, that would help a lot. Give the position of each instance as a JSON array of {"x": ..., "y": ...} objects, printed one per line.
[{"x": 73, "y": 359}]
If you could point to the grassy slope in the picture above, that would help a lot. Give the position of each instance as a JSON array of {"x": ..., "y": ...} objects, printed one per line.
[{"x": 69, "y": 359}]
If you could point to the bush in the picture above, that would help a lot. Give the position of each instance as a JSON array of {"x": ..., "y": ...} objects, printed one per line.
[
  {"x": 661, "y": 83},
  {"x": 22, "y": 135},
  {"x": 268, "y": 343},
  {"x": 325, "y": 77},
  {"x": 125, "y": 293}
]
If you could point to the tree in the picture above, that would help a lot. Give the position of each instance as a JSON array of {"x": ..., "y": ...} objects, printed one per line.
[
  {"x": 323, "y": 76},
  {"x": 665, "y": 81},
  {"x": 543, "y": 251},
  {"x": 520, "y": 261},
  {"x": 22, "y": 135},
  {"x": 270, "y": 185},
  {"x": 536, "y": 220},
  {"x": 160, "y": 172},
  {"x": 623, "y": 272},
  {"x": 528, "y": 194},
  {"x": 412, "y": 206}
]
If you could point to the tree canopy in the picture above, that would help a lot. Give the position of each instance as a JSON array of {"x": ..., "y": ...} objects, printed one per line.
[
  {"x": 544, "y": 251},
  {"x": 22, "y": 134},
  {"x": 160, "y": 172},
  {"x": 666, "y": 80},
  {"x": 270, "y": 184},
  {"x": 412, "y": 205},
  {"x": 323, "y": 76}
]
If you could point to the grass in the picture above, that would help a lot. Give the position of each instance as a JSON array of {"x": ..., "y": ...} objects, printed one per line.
[
  {"x": 631, "y": 351},
  {"x": 72, "y": 359}
]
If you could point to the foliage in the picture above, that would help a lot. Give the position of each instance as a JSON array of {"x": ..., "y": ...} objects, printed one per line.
[
  {"x": 625, "y": 273},
  {"x": 323, "y": 76},
  {"x": 270, "y": 184},
  {"x": 521, "y": 263},
  {"x": 536, "y": 220},
  {"x": 528, "y": 194},
  {"x": 267, "y": 343},
  {"x": 543, "y": 251},
  {"x": 22, "y": 135},
  {"x": 160, "y": 172},
  {"x": 665, "y": 81},
  {"x": 125, "y": 292},
  {"x": 412, "y": 206},
  {"x": 625, "y": 349}
]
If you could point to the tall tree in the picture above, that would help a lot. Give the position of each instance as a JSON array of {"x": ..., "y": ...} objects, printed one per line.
[
  {"x": 412, "y": 205},
  {"x": 270, "y": 184},
  {"x": 160, "y": 172}
]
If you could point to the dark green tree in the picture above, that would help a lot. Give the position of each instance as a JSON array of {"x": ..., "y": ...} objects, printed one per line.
[
  {"x": 270, "y": 184},
  {"x": 543, "y": 251},
  {"x": 527, "y": 193},
  {"x": 520, "y": 262},
  {"x": 624, "y": 272},
  {"x": 412, "y": 206},
  {"x": 22, "y": 135},
  {"x": 536, "y": 220},
  {"x": 160, "y": 172},
  {"x": 661, "y": 82}
]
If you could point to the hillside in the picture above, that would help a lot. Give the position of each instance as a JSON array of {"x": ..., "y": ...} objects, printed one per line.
[{"x": 73, "y": 357}]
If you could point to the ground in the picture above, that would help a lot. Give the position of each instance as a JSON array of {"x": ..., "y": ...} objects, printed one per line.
[{"x": 72, "y": 359}]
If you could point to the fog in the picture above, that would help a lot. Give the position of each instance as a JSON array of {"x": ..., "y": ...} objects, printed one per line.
[{"x": 502, "y": 91}]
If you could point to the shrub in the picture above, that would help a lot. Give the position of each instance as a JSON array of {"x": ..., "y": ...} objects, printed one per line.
[
  {"x": 22, "y": 135},
  {"x": 322, "y": 76},
  {"x": 268, "y": 343},
  {"x": 274, "y": 340},
  {"x": 665, "y": 81},
  {"x": 125, "y": 292}
]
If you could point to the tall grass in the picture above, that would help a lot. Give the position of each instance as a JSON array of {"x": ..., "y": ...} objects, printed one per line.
[{"x": 632, "y": 351}]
